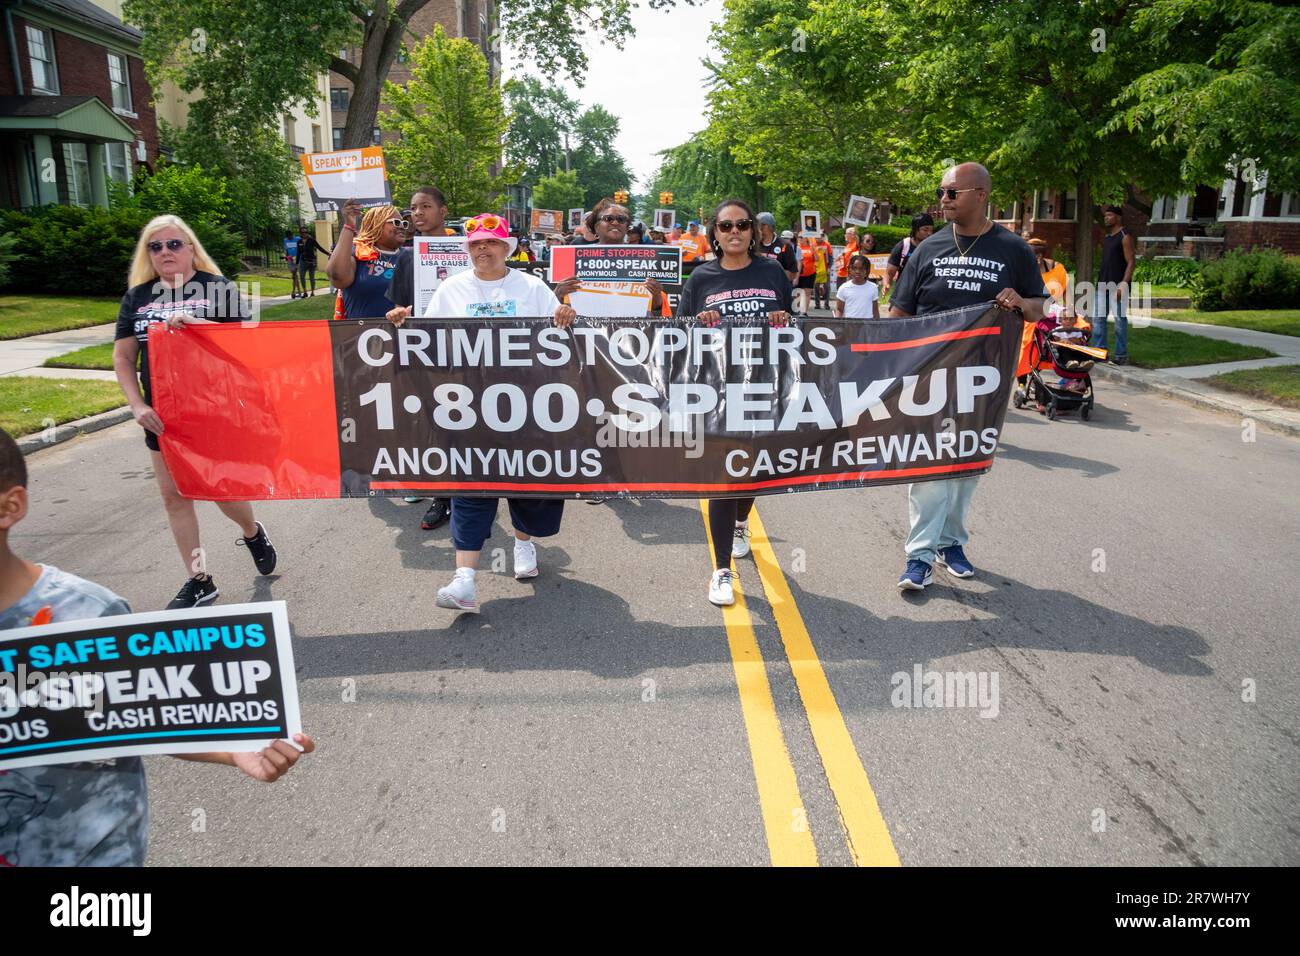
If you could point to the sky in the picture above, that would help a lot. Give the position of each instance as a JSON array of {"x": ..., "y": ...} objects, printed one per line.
[{"x": 654, "y": 85}]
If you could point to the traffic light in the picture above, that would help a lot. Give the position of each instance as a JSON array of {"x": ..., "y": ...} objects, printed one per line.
[
  {"x": 665, "y": 199},
  {"x": 620, "y": 196}
]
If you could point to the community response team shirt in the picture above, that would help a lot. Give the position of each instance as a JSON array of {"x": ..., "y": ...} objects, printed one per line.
[
  {"x": 756, "y": 290},
  {"x": 94, "y": 813},
  {"x": 206, "y": 296},
  {"x": 517, "y": 295},
  {"x": 938, "y": 276}
]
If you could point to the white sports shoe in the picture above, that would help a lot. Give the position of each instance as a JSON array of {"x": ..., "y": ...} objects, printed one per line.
[
  {"x": 460, "y": 595},
  {"x": 720, "y": 592},
  {"x": 740, "y": 541},
  {"x": 525, "y": 559}
]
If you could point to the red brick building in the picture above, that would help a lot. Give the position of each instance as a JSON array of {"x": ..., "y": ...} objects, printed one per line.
[{"x": 75, "y": 105}]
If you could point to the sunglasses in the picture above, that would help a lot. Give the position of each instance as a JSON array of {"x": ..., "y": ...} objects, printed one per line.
[
  {"x": 952, "y": 193},
  {"x": 173, "y": 245},
  {"x": 490, "y": 223},
  {"x": 399, "y": 223},
  {"x": 618, "y": 219},
  {"x": 740, "y": 225}
]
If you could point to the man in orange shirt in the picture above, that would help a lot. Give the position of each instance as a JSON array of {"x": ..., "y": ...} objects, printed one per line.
[
  {"x": 694, "y": 244},
  {"x": 815, "y": 249},
  {"x": 850, "y": 249}
]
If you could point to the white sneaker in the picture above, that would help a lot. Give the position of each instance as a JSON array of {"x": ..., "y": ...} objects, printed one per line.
[
  {"x": 460, "y": 595},
  {"x": 525, "y": 560},
  {"x": 740, "y": 541},
  {"x": 720, "y": 592}
]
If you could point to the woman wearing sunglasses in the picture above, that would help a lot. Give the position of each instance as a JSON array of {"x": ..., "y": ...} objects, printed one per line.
[
  {"x": 609, "y": 223},
  {"x": 361, "y": 265},
  {"x": 491, "y": 289},
  {"x": 174, "y": 280},
  {"x": 740, "y": 282}
]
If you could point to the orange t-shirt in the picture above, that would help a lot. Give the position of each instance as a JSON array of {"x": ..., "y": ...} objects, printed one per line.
[
  {"x": 849, "y": 250},
  {"x": 812, "y": 250},
  {"x": 693, "y": 247}
]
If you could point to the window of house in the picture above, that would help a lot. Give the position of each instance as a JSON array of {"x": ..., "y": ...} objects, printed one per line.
[
  {"x": 76, "y": 165},
  {"x": 120, "y": 81},
  {"x": 40, "y": 50},
  {"x": 1069, "y": 202},
  {"x": 338, "y": 137},
  {"x": 117, "y": 162},
  {"x": 339, "y": 98},
  {"x": 315, "y": 138},
  {"x": 1044, "y": 206},
  {"x": 1272, "y": 203},
  {"x": 1205, "y": 203},
  {"x": 288, "y": 129}
]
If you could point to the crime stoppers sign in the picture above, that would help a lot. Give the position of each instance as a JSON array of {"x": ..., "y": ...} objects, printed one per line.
[
  {"x": 616, "y": 263},
  {"x": 158, "y": 682},
  {"x": 616, "y": 406}
]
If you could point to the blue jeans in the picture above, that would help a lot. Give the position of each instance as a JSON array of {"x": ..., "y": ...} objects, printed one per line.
[
  {"x": 938, "y": 514},
  {"x": 1110, "y": 302}
]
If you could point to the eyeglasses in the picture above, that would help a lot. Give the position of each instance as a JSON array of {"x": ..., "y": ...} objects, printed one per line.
[
  {"x": 173, "y": 245},
  {"x": 399, "y": 223},
  {"x": 490, "y": 223},
  {"x": 740, "y": 225},
  {"x": 952, "y": 193},
  {"x": 618, "y": 219}
]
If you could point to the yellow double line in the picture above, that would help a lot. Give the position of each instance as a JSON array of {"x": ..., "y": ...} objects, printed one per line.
[{"x": 789, "y": 836}]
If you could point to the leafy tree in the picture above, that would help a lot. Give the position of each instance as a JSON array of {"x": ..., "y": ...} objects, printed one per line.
[
  {"x": 560, "y": 191},
  {"x": 451, "y": 119},
  {"x": 1226, "y": 88},
  {"x": 542, "y": 117},
  {"x": 700, "y": 173}
]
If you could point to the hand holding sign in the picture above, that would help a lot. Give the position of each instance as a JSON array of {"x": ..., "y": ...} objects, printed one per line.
[
  {"x": 564, "y": 316},
  {"x": 272, "y": 763},
  {"x": 398, "y": 315},
  {"x": 351, "y": 215}
]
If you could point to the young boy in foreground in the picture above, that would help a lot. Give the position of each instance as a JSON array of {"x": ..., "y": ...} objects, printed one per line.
[{"x": 94, "y": 813}]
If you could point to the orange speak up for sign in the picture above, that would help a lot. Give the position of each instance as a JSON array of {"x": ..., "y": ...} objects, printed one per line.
[{"x": 336, "y": 177}]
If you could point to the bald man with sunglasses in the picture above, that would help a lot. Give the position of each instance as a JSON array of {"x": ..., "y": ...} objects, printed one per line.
[{"x": 971, "y": 261}]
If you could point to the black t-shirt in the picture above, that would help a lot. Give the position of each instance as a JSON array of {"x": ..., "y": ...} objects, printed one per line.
[
  {"x": 782, "y": 250},
  {"x": 759, "y": 288},
  {"x": 307, "y": 249},
  {"x": 401, "y": 288},
  {"x": 938, "y": 278},
  {"x": 205, "y": 296},
  {"x": 898, "y": 256}
]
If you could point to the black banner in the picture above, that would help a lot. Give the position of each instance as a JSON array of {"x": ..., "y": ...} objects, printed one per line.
[
  {"x": 157, "y": 682},
  {"x": 668, "y": 408}
]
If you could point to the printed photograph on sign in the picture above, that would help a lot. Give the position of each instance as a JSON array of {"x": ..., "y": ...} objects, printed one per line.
[
  {"x": 336, "y": 177},
  {"x": 858, "y": 212},
  {"x": 812, "y": 222},
  {"x": 547, "y": 221},
  {"x": 664, "y": 219},
  {"x": 575, "y": 217},
  {"x": 436, "y": 258}
]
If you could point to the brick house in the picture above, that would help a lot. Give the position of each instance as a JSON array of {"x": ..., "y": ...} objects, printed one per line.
[{"x": 75, "y": 105}]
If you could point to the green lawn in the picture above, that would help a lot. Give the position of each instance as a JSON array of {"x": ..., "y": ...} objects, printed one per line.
[
  {"x": 320, "y": 307},
  {"x": 272, "y": 283},
  {"x": 1279, "y": 384},
  {"x": 1277, "y": 321},
  {"x": 28, "y": 404},
  {"x": 92, "y": 356},
  {"x": 1164, "y": 348},
  {"x": 35, "y": 314}
]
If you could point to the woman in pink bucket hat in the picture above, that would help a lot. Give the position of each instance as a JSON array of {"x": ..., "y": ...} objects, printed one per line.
[{"x": 493, "y": 290}]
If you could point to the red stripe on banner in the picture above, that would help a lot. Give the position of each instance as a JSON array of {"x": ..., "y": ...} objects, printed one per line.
[
  {"x": 929, "y": 339},
  {"x": 248, "y": 413},
  {"x": 679, "y": 486}
]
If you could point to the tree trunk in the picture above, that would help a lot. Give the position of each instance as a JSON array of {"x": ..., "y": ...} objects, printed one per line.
[
  {"x": 381, "y": 41},
  {"x": 1083, "y": 226}
]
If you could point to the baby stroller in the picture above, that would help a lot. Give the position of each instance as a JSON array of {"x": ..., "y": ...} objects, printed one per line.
[{"x": 1071, "y": 363}]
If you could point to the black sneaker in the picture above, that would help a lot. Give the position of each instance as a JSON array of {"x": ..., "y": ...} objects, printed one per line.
[
  {"x": 437, "y": 515},
  {"x": 194, "y": 593},
  {"x": 1120, "y": 360},
  {"x": 260, "y": 547}
]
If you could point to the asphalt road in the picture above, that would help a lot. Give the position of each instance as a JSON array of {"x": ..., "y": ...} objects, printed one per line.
[{"x": 1134, "y": 571}]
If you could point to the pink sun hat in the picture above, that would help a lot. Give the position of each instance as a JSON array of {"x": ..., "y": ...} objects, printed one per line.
[{"x": 488, "y": 225}]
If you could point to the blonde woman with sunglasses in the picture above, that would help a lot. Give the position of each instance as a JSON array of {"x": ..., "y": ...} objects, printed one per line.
[
  {"x": 174, "y": 280},
  {"x": 361, "y": 265}
]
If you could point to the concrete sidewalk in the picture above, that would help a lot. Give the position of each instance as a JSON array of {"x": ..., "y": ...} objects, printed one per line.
[{"x": 1285, "y": 347}]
